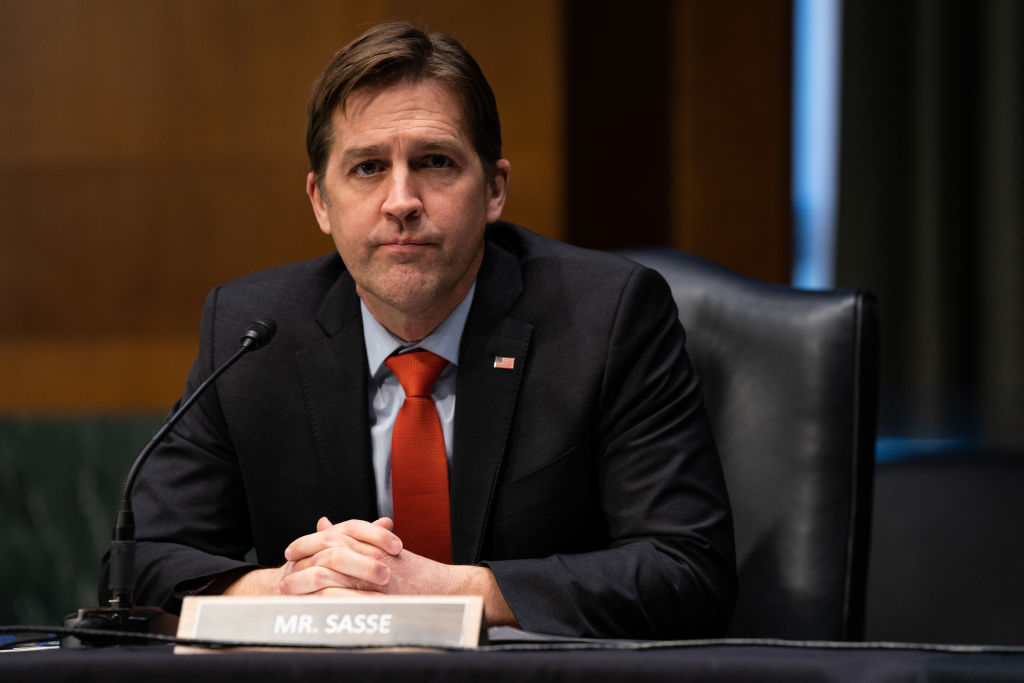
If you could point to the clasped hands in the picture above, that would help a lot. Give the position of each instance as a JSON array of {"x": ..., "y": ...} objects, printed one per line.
[
  {"x": 359, "y": 558},
  {"x": 356, "y": 558}
]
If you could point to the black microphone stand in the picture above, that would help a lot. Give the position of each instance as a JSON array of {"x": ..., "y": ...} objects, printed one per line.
[{"x": 120, "y": 614}]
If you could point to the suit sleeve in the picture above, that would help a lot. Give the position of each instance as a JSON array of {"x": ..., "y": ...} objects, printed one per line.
[{"x": 668, "y": 570}]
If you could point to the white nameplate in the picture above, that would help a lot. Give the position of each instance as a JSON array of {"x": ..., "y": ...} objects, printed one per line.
[{"x": 399, "y": 621}]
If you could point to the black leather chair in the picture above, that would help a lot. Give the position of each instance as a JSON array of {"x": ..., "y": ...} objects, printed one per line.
[{"x": 790, "y": 380}]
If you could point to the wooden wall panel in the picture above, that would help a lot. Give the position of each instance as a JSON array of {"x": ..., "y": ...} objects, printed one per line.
[
  {"x": 731, "y": 102},
  {"x": 150, "y": 150}
]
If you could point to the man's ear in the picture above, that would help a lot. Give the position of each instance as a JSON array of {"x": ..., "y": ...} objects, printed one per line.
[
  {"x": 319, "y": 203},
  {"x": 498, "y": 190}
]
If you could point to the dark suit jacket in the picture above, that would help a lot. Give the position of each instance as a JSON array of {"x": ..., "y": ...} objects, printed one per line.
[{"x": 586, "y": 478}]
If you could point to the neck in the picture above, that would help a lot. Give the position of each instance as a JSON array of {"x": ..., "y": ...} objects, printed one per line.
[
  {"x": 415, "y": 325},
  {"x": 409, "y": 330}
]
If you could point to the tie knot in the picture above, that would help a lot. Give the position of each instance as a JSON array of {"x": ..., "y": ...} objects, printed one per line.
[{"x": 417, "y": 371}]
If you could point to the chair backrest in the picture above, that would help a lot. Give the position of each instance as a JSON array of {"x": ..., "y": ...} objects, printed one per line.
[{"x": 790, "y": 380}]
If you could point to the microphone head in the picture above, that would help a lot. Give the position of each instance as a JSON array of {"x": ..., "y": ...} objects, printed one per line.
[{"x": 258, "y": 333}]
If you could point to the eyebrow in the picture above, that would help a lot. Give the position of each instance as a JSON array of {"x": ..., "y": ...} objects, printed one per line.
[
  {"x": 368, "y": 152},
  {"x": 438, "y": 146},
  {"x": 374, "y": 151}
]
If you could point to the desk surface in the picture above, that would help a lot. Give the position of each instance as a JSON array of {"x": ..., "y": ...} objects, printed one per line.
[{"x": 726, "y": 662}]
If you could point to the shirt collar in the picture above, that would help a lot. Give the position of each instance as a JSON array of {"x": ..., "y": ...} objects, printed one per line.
[{"x": 444, "y": 340}]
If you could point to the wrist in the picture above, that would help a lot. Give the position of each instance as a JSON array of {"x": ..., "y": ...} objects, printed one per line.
[
  {"x": 254, "y": 582},
  {"x": 477, "y": 580}
]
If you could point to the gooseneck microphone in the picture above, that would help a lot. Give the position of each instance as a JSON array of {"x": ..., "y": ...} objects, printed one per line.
[
  {"x": 122, "y": 547},
  {"x": 121, "y": 580}
]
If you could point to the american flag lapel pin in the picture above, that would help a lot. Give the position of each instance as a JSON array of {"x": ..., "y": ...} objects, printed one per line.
[{"x": 504, "y": 363}]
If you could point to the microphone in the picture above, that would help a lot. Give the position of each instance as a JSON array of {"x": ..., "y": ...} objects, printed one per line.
[
  {"x": 256, "y": 335},
  {"x": 121, "y": 580}
]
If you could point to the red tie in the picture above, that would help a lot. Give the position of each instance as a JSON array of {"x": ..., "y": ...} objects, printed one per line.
[{"x": 419, "y": 465}]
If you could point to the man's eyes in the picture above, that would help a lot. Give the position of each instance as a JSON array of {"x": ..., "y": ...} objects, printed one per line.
[
  {"x": 366, "y": 168},
  {"x": 438, "y": 161},
  {"x": 434, "y": 161}
]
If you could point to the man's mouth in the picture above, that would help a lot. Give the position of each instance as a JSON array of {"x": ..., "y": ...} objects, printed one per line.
[{"x": 404, "y": 247}]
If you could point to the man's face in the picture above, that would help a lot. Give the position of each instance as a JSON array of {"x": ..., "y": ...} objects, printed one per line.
[{"x": 405, "y": 199}]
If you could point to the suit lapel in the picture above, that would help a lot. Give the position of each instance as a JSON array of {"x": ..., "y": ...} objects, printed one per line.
[
  {"x": 485, "y": 399},
  {"x": 334, "y": 375}
]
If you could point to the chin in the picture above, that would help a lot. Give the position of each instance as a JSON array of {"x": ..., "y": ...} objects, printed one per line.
[{"x": 411, "y": 295}]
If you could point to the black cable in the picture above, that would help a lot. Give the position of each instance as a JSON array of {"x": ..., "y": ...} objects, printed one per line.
[
  {"x": 534, "y": 646},
  {"x": 135, "y": 637}
]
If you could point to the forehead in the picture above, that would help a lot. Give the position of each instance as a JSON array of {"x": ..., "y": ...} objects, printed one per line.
[{"x": 428, "y": 108}]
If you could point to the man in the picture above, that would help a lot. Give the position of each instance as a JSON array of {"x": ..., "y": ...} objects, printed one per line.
[{"x": 583, "y": 491}]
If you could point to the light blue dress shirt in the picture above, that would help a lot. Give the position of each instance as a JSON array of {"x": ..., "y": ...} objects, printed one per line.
[{"x": 386, "y": 396}]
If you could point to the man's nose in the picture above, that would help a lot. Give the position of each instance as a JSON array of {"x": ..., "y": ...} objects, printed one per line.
[{"x": 403, "y": 197}]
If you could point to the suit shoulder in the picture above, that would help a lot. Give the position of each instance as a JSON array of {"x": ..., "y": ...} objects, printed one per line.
[
  {"x": 324, "y": 270},
  {"x": 291, "y": 294}
]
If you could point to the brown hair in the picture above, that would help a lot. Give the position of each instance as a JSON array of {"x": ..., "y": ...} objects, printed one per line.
[{"x": 388, "y": 54}]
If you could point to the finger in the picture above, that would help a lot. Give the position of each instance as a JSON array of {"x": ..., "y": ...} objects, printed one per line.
[
  {"x": 335, "y": 567},
  {"x": 323, "y": 524},
  {"x": 354, "y": 567},
  {"x": 310, "y": 580},
  {"x": 376, "y": 536},
  {"x": 345, "y": 593},
  {"x": 380, "y": 534}
]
